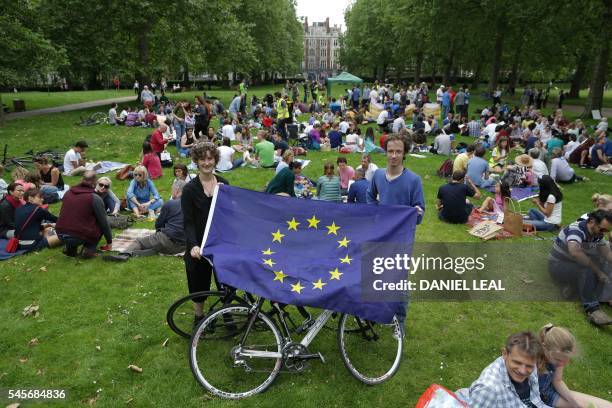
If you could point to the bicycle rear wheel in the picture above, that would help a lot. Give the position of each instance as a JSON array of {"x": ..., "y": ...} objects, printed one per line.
[
  {"x": 180, "y": 314},
  {"x": 220, "y": 366},
  {"x": 370, "y": 351}
]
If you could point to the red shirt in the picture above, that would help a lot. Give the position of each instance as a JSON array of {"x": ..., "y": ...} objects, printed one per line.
[
  {"x": 153, "y": 165},
  {"x": 267, "y": 122},
  {"x": 157, "y": 141},
  {"x": 383, "y": 140}
]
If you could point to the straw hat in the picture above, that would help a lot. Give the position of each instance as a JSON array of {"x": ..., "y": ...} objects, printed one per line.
[{"x": 524, "y": 160}]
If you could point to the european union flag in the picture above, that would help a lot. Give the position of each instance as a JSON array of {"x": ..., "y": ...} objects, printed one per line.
[{"x": 301, "y": 252}]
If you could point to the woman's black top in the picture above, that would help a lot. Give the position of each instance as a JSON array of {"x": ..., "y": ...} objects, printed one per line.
[
  {"x": 32, "y": 230},
  {"x": 196, "y": 206},
  {"x": 46, "y": 178}
]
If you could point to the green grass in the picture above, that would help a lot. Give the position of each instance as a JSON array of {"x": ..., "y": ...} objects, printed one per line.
[{"x": 84, "y": 304}]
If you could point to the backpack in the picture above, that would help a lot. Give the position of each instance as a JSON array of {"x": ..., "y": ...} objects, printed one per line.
[
  {"x": 120, "y": 221},
  {"x": 446, "y": 169}
]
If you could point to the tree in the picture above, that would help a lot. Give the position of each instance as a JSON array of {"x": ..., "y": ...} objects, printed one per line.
[{"x": 600, "y": 71}]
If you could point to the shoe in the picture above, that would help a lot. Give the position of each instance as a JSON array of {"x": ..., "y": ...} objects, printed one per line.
[
  {"x": 70, "y": 251},
  {"x": 88, "y": 253},
  {"x": 116, "y": 258},
  {"x": 599, "y": 318}
]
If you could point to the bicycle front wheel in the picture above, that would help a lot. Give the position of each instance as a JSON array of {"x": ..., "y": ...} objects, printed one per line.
[
  {"x": 227, "y": 368},
  {"x": 370, "y": 351}
]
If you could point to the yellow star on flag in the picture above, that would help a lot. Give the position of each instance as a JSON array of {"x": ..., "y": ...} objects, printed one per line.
[
  {"x": 312, "y": 222},
  {"x": 293, "y": 224},
  {"x": 344, "y": 243},
  {"x": 346, "y": 259},
  {"x": 331, "y": 229},
  {"x": 267, "y": 252},
  {"x": 318, "y": 284},
  {"x": 297, "y": 288},
  {"x": 279, "y": 276},
  {"x": 277, "y": 236},
  {"x": 269, "y": 262},
  {"x": 335, "y": 274}
]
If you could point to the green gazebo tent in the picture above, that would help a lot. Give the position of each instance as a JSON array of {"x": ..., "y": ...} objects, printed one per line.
[{"x": 344, "y": 78}]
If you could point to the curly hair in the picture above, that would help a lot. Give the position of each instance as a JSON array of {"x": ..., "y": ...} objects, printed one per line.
[{"x": 202, "y": 149}]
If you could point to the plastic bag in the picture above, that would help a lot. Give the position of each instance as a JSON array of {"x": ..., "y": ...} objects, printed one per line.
[{"x": 437, "y": 396}]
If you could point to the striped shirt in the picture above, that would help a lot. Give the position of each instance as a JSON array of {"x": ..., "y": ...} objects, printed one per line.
[
  {"x": 328, "y": 188},
  {"x": 474, "y": 128},
  {"x": 577, "y": 232}
]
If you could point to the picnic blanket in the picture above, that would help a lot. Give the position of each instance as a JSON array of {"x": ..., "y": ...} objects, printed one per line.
[
  {"x": 106, "y": 166},
  {"x": 476, "y": 217},
  {"x": 122, "y": 241},
  {"x": 7, "y": 255},
  {"x": 129, "y": 236},
  {"x": 520, "y": 193}
]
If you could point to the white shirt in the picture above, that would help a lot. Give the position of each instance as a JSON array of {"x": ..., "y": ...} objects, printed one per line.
[
  {"x": 344, "y": 127},
  {"x": 71, "y": 156},
  {"x": 555, "y": 216},
  {"x": 539, "y": 168},
  {"x": 560, "y": 169},
  {"x": 225, "y": 158},
  {"x": 123, "y": 114},
  {"x": 442, "y": 143},
  {"x": 382, "y": 118},
  {"x": 228, "y": 131},
  {"x": 439, "y": 94},
  {"x": 398, "y": 124},
  {"x": 570, "y": 147},
  {"x": 112, "y": 116},
  {"x": 490, "y": 130},
  {"x": 370, "y": 171}
]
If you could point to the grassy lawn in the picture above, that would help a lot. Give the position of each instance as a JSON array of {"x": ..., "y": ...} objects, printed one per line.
[{"x": 91, "y": 311}]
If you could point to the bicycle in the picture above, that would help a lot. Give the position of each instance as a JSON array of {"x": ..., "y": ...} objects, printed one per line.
[
  {"x": 96, "y": 118},
  {"x": 180, "y": 314},
  {"x": 30, "y": 157},
  {"x": 237, "y": 351}
]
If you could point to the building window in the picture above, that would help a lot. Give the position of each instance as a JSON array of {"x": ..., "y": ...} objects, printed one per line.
[
  {"x": 311, "y": 51},
  {"x": 323, "y": 52},
  {"x": 335, "y": 42},
  {"x": 322, "y": 43},
  {"x": 323, "y": 64}
]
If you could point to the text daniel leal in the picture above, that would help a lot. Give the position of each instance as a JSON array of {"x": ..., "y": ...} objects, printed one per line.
[{"x": 441, "y": 285}]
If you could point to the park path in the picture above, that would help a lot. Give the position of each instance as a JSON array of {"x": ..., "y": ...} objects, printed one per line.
[
  {"x": 67, "y": 108},
  {"x": 605, "y": 112}
]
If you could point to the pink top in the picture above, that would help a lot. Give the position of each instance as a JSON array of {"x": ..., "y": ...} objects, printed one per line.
[
  {"x": 153, "y": 165},
  {"x": 345, "y": 174},
  {"x": 498, "y": 204}
]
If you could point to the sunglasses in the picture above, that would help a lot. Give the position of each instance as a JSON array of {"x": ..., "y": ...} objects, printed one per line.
[
  {"x": 102, "y": 185},
  {"x": 138, "y": 175}
]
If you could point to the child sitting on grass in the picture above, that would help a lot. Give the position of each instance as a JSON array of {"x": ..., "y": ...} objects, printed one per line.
[{"x": 558, "y": 348}]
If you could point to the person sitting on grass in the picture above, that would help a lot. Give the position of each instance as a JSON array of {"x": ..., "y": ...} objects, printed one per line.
[
  {"x": 538, "y": 168},
  {"x": 181, "y": 173},
  {"x": 74, "y": 164},
  {"x": 169, "y": 237},
  {"x": 499, "y": 155},
  {"x": 328, "y": 185},
  {"x": 50, "y": 176},
  {"x": 346, "y": 173},
  {"x": 286, "y": 160},
  {"x": 8, "y": 205},
  {"x": 142, "y": 196},
  {"x": 511, "y": 380},
  {"x": 111, "y": 203},
  {"x": 547, "y": 217},
  {"x": 314, "y": 137},
  {"x": 497, "y": 204},
  {"x": 578, "y": 260},
  {"x": 264, "y": 151},
  {"x": 226, "y": 156},
  {"x": 284, "y": 181},
  {"x": 358, "y": 190},
  {"x": 187, "y": 142},
  {"x": 151, "y": 161},
  {"x": 600, "y": 202},
  {"x": 369, "y": 144},
  {"x": 478, "y": 169},
  {"x": 452, "y": 204},
  {"x": 34, "y": 233},
  {"x": 462, "y": 159},
  {"x": 82, "y": 219},
  {"x": 558, "y": 349}
]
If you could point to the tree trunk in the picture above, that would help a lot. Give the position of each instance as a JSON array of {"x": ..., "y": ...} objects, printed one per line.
[
  {"x": 595, "y": 99},
  {"x": 476, "y": 77},
  {"x": 448, "y": 66},
  {"x": 497, "y": 53},
  {"x": 418, "y": 67},
  {"x": 142, "y": 67},
  {"x": 1, "y": 111},
  {"x": 186, "y": 83},
  {"x": 512, "y": 81},
  {"x": 578, "y": 77}
]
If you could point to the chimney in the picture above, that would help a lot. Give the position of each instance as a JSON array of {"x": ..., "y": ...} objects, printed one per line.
[{"x": 306, "y": 23}]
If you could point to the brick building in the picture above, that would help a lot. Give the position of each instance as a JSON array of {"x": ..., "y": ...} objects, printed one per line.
[{"x": 321, "y": 45}]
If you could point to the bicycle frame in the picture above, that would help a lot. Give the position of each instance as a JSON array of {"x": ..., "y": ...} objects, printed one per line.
[{"x": 316, "y": 327}]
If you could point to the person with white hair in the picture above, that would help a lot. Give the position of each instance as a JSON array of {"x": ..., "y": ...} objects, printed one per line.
[
  {"x": 603, "y": 125},
  {"x": 111, "y": 202}
]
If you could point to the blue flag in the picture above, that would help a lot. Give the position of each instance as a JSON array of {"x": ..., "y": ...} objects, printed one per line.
[{"x": 302, "y": 252}]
